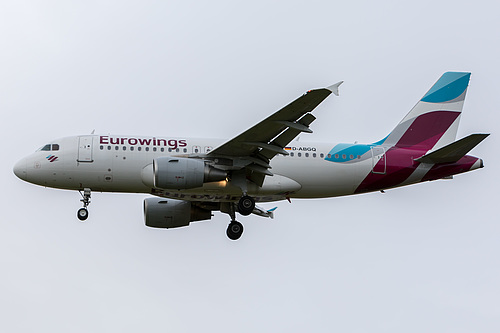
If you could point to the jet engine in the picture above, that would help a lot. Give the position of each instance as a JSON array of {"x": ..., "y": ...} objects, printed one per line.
[
  {"x": 169, "y": 213},
  {"x": 184, "y": 173}
]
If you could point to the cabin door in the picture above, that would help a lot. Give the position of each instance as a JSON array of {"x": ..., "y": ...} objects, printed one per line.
[
  {"x": 379, "y": 161},
  {"x": 85, "y": 144}
]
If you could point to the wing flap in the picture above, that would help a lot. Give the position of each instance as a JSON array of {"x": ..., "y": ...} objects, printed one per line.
[{"x": 291, "y": 133}]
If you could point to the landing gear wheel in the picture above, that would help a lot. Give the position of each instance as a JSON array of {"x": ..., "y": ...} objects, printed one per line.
[
  {"x": 246, "y": 205},
  {"x": 234, "y": 230},
  {"x": 82, "y": 214}
]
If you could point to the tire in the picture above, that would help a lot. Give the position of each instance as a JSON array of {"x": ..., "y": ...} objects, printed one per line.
[
  {"x": 246, "y": 205},
  {"x": 82, "y": 214},
  {"x": 234, "y": 230}
]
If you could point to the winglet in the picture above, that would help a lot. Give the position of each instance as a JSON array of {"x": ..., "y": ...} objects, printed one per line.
[
  {"x": 271, "y": 212},
  {"x": 264, "y": 213},
  {"x": 335, "y": 88}
]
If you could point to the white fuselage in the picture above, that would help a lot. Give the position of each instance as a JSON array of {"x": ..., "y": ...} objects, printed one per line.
[{"x": 123, "y": 164}]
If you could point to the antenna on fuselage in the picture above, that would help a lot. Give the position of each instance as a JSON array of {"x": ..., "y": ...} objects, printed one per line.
[{"x": 93, "y": 131}]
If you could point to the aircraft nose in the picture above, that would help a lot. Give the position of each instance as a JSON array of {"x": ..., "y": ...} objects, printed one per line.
[{"x": 20, "y": 169}]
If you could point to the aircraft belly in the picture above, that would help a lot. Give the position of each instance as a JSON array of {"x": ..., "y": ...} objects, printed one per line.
[
  {"x": 320, "y": 178},
  {"x": 278, "y": 188}
]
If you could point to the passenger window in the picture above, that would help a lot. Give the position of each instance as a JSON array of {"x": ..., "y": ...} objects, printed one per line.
[
  {"x": 139, "y": 148},
  {"x": 336, "y": 155},
  {"x": 55, "y": 146},
  {"x": 329, "y": 155},
  {"x": 169, "y": 150},
  {"x": 177, "y": 150},
  {"x": 314, "y": 155},
  {"x": 291, "y": 154},
  {"x": 162, "y": 149},
  {"x": 343, "y": 156},
  {"x": 351, "y": 156},
  {"x": 101, "y": 147},
  {"x": 321, "y": 155},
  {"x": 132, "y": 148},
  {"x": 299, "y": 154},
  {"x": 307, "y": 154},
  {"x": 154, "y": 148},
  {"x": 147, "y": 148},
  {"x": 116, "y": 147},
  {"x": 124, "y": 148}
]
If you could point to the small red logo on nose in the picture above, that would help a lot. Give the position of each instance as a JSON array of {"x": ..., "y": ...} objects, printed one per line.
[{"x": 52, "y": 158}]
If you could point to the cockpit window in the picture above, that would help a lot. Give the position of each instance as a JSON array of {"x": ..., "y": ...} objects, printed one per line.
[{"x": 50, "y": 147}]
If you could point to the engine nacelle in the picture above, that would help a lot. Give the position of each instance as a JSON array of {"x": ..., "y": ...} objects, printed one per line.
[
  {"x": 184, "y": 173},
  {"x": 169, "y": 213}
]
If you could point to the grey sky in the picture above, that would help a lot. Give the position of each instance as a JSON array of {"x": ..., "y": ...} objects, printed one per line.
[{"x": 420, "y": 258}]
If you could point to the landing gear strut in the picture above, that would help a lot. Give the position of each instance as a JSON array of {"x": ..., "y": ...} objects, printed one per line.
[
  {"x": 245, "y": 206},
  {"x": 83, "y": 213},
  {"x": 235, "y": 228}
]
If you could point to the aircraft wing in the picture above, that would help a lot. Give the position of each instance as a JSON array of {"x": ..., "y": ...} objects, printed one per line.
[{"x": 254, "y": 148}]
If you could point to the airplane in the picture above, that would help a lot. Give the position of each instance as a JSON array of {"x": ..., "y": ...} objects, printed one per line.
[{"x": 190, "y": 178}]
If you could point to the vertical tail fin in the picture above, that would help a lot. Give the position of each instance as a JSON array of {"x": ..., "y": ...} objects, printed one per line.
[{"x": 433, "y": 121}]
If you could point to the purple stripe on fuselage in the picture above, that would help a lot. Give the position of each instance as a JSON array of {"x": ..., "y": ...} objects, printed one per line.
[
  {"x": 400, "y": 165},
  {"x": 421, "y": 136},
  {"x": 427, "y": 129}
]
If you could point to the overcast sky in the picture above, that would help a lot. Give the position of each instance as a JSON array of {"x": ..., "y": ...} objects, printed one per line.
[{"x": 424, "y": 258}]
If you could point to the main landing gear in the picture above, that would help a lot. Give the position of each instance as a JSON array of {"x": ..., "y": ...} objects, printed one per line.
[
  {"x": 83, "y": 213},
  {"x": 245, "y": 206},
  {"x": 235, "y": 228}
]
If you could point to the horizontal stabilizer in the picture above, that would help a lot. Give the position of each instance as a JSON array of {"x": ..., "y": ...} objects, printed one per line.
[{"x": 454, "y": 151}]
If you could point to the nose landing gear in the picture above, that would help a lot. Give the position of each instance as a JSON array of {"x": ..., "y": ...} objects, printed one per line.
[{"x": 83, "y": 213}]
